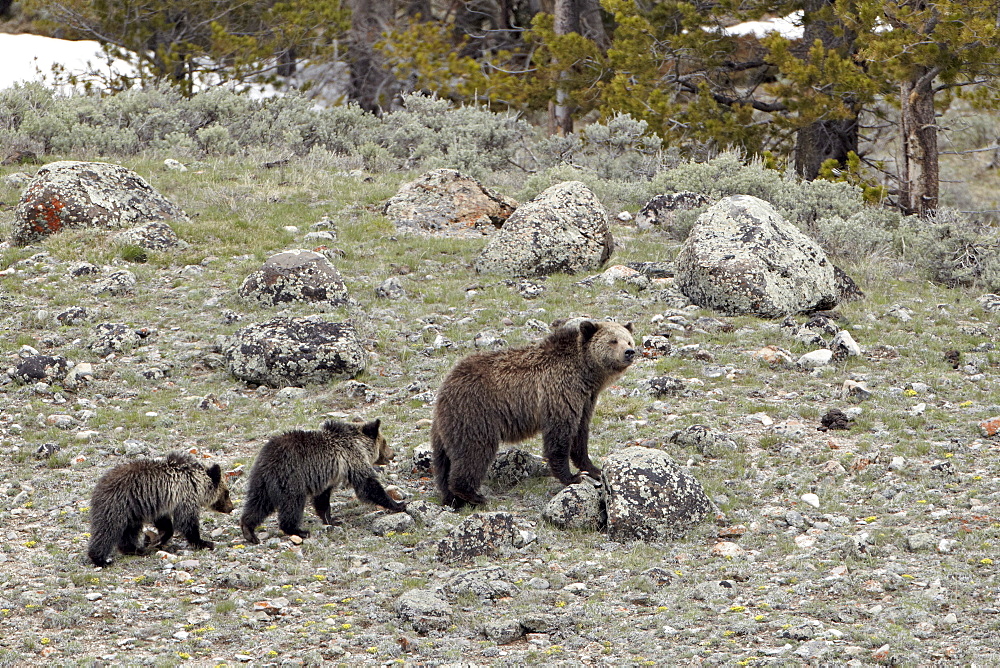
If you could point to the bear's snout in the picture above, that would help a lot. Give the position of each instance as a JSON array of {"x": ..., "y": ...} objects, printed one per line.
[{"x": 629, "y": 354}]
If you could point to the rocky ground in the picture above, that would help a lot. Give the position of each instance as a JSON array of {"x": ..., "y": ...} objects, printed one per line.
[{"x": 873, "y": 544}]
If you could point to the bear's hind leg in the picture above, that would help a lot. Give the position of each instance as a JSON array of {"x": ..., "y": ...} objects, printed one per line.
[
  {"x": 467, "y": 475},
  {"x": 256, "y": 507},
  {"x": 128, "y": 542},
  {"x": 290, "y": 515},
  {"x": 442, "y": 471},
  {"x": 165, "y": 526}
]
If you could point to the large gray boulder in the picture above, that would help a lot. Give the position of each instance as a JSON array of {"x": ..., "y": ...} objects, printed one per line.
[
  {"x": 564, "y": 229},
  {"x": 650, "y": 498},
  {"x": 481, "y": 534},
  {"x": 87, "y": 194},
  {"x": 295, "y": 276},
  {"x": 295, "y": 351},
  {"x": 743, "y": 258},
  {"x": 445, "y": 199}
]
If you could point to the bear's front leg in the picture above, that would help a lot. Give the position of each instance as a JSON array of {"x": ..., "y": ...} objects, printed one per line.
[
  {"x": 556, "y": 445},
  {"x": 186, "y": 521},
  {"x": 578, "y": 451}
]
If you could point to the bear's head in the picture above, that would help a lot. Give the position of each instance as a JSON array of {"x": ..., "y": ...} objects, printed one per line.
[
  {"x": 609, "y": 346},
  {"x": 221, "y": 501},
  {"x": 380, "y": 447}
]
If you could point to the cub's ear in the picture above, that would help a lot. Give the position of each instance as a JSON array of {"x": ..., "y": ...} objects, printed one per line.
[
  {"x": 370, "y": 429},
  {"x": 215, "y": 473},
  {"x": 629, "y": 328},
  {"x": 587, "y": 330}
]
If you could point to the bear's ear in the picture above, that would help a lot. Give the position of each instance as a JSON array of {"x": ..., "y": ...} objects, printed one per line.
[
  {"x": 629, "y": 328},
  {"x": 587, "y": 330},
  {"x": 370, "y": 429},
  {"x": 215, "y": 473}
]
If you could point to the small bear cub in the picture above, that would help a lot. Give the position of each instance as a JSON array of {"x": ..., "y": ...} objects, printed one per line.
[
  {"x": 165, "y": 492},
  {"x": 301, "y": 464}
]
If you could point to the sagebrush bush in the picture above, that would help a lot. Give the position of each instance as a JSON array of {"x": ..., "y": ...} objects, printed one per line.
[
  {"x": 424, "y": 134},
  {"x": 952, "y": 249}
]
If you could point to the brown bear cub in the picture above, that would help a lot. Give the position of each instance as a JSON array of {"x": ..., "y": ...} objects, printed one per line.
[
  {"x": 167, "y": 493},
  {"x": 510, "y": 395},
  {"x": 300, "y": 464}
]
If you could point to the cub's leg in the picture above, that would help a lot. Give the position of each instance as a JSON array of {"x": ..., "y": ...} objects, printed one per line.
[
  {"x": 165, "y": 526},
  {"x": 321, "y": 502},
  {"x": 128, "y": 543},
  {"x": 368, "y": 488},
  {"x": 290, "y": 515},
  {"x": 186, "y": 519}
]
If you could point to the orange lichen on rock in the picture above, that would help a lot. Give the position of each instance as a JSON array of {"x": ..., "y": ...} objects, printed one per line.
[{"x": 48, "y": 220}]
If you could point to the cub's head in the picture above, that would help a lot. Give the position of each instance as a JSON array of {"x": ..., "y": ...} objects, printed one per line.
[
  {"x": 609, "y": 346},
  {"x": 219, "y": 497},
  {"x": 383, "y": 453}
]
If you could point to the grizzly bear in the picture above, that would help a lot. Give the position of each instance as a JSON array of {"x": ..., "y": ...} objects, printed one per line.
[
  {"x": 301, "y": 464},
  {"x": 510, "y": 395},
  {"x": 164, "y": 492}
]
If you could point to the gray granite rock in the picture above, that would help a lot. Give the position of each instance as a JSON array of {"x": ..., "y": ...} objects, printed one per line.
[
  {"x": 563, "y": 229},
  {"x": 742, "y": 257},
  {"x": 69, "y": 194},
  {"x": 649, "y": 497},
  {"x": 295, "y": 351}
]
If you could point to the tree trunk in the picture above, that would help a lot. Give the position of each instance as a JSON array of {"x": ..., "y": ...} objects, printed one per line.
[
  {"x": 919, "y": 178},
  {"x": 372, "y": 86},
  {"x": 820, "y": 141},
  {"x": 567, "y": 20}
]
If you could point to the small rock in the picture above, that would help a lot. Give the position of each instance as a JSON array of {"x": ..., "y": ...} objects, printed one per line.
[
  {"x": 990, "y": 427},
  {"x": 921, "y": 541},
  {"x": 727, "y": 549},
  {"x": 855, "y": 391},
  {"x": 811, "y": 499},
  {"x": 815, "y": 359}
]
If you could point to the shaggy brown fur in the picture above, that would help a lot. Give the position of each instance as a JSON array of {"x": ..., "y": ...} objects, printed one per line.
[
  {"x": 164, "y": 492},
  {"x": 300, "y": 464},
  {"x": 510, "y": 395}
]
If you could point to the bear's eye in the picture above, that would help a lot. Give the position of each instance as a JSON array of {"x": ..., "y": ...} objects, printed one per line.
[{"x": 614, "y": 342}]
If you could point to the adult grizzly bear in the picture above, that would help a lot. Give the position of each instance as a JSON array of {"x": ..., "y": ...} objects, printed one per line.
[{"x": 510, "y": 395}]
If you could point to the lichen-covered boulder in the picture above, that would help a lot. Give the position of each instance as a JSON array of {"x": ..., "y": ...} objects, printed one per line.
[
  {"x": 481, "y": 534},
  {"x": 563, "y": 229},
  {"x": 513, "y": 465},
  {"x": 154, "y": 235},
  {"x": 659, "y": 211},
  {"x": 650, "y": 498},
  {"x": 743, "y": 258},
  {"x": 295, "y": 351},
  {"x": 445, "y": 199},
  {"x": 114, "y": 337},
  {"x": 424, "y": 610},
  {"x": 116, "y": 282},
  {"x": 488, "y": 583},
  {"x": 295, "y": 276},
  {"x": 578, "y": 506},
  {"x": 87, "y": 194},
  {"x": 33, "y": 368}
]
